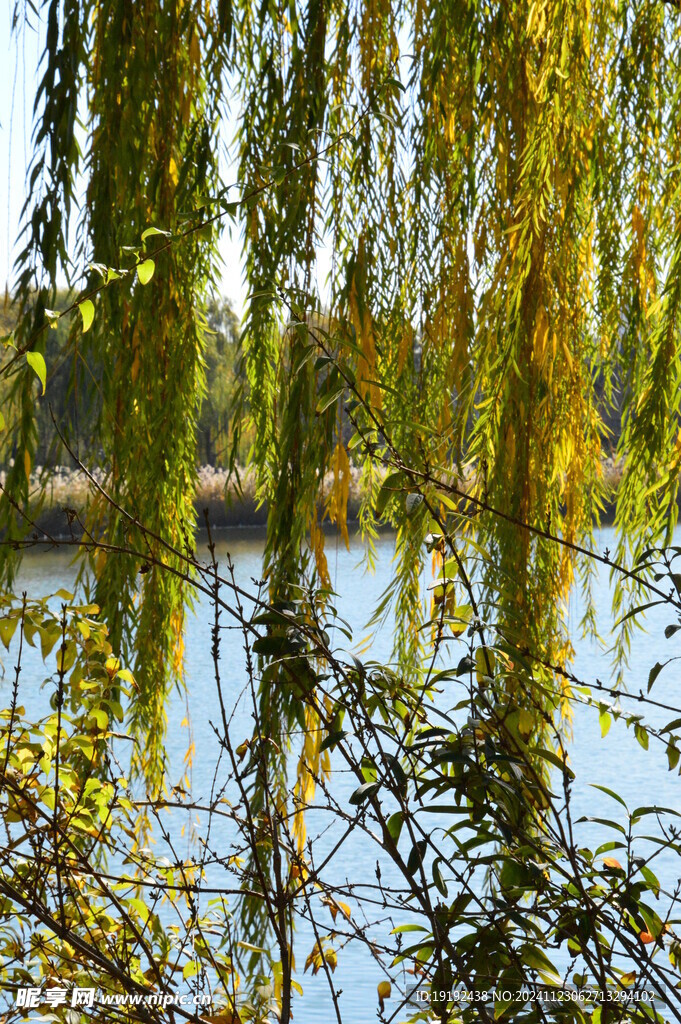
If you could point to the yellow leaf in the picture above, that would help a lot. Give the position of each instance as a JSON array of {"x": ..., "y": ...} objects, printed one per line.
[
  {"x": 194, "y": 50},
  {"x": 337, "y": 501},
  {"x": 525, "y": 723},
  {"x": 112, "y": 666},
  {"x": 484, "y": 663},
  {"x": 384, "y": 990},
  {"x": 541, "y": 336}
]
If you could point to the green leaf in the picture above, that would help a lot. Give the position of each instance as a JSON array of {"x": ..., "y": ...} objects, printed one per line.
[
  {"x": 87, "y": 311},
  {"x": 672, "y": 755},
  {"x": 653, "y": 922},
  {"x": 190, "y": 969},
  {"x": 272, "y": 646},
  {"x": 390, "y": 487},
  {"x": 654, "y": 673},
  {"x": 145, "y": 271},
  {"x": 66, "y": 656},
  {"x": 394, "y": 825},
  {"x": 37, "y": 363},
  {"x": 672, "y": 725},
  {"x": 416, "y": 856},
  {"x": 101, "y": 718},
  {"x": 332, "y": 739},
  {"x": 364, "y": 792},
  {"x": 652, "y": 880},
  {"x": 48, "y": 638},
  {"x": 7, "y": 629},
  {"x": 438, "y": 879},
  {"x": 606, "y": 821},
  {"x": 249, "y": 946},
  {"x": 642, "y": 736},
  {"x": 154, "y": 231},
  {"x": 534, "y": 957},
  {"x": 610, "y": 793},
  {"x": 635, "y": 611},
  {"x": 52, "y": 318},
  {"x": 605, "y": 722},
  {"x": 549, "y": 755},
  {"x": 328, "y": 400}
]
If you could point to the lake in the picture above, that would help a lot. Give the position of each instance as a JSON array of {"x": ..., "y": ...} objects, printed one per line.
[{"x": 617, "y": 761}]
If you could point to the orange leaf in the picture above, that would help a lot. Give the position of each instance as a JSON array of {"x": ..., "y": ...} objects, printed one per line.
[{"x": 646, "y": 938}]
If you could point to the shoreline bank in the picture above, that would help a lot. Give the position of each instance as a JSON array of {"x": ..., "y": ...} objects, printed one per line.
[{"x": 68, "y": 489}]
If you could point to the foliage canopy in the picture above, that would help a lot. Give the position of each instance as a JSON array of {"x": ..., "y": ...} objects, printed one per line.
[{"x": 498, "y": 185}]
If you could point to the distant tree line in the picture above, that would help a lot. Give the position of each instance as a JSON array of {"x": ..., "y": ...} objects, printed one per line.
[{"x": 74, "y": 393}]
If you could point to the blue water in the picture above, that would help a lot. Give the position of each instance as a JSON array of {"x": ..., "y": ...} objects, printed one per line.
[{"x": 617, "y": 761}]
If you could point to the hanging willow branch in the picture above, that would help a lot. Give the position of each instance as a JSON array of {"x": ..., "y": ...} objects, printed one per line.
[{"x": 503, "y": 294}]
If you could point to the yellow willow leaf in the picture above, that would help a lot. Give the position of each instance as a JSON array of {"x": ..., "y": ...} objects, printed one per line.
[
  {"x": 177, "y": 626},
  {"x": 308, "y": 770},
  {"x": 406, "y": 342},
  {"x": 637, "y": 224},
  {"x": 484, "y": 663},
  {"x": 195, "y": 50},
  {"x": 541, "y": 336},
  {"x": 317, "y": 545},
  {"x": 337, "y": 502}
]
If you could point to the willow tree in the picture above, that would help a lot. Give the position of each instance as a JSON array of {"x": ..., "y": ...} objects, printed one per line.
[
  {"x": 497, "y": 187},
  {"x": 149, "y": 78}
]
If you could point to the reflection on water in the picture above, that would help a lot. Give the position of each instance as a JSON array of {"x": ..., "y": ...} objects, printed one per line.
[{"x": 617, "y": 761}]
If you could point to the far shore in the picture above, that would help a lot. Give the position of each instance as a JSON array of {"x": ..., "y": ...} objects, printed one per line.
[{"x": 227, "y": 508}]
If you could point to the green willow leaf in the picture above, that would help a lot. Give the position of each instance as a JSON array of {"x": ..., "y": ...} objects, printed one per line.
[
  {"x": 87, "y": 312},
  {"x": 37, "y": 363}
]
